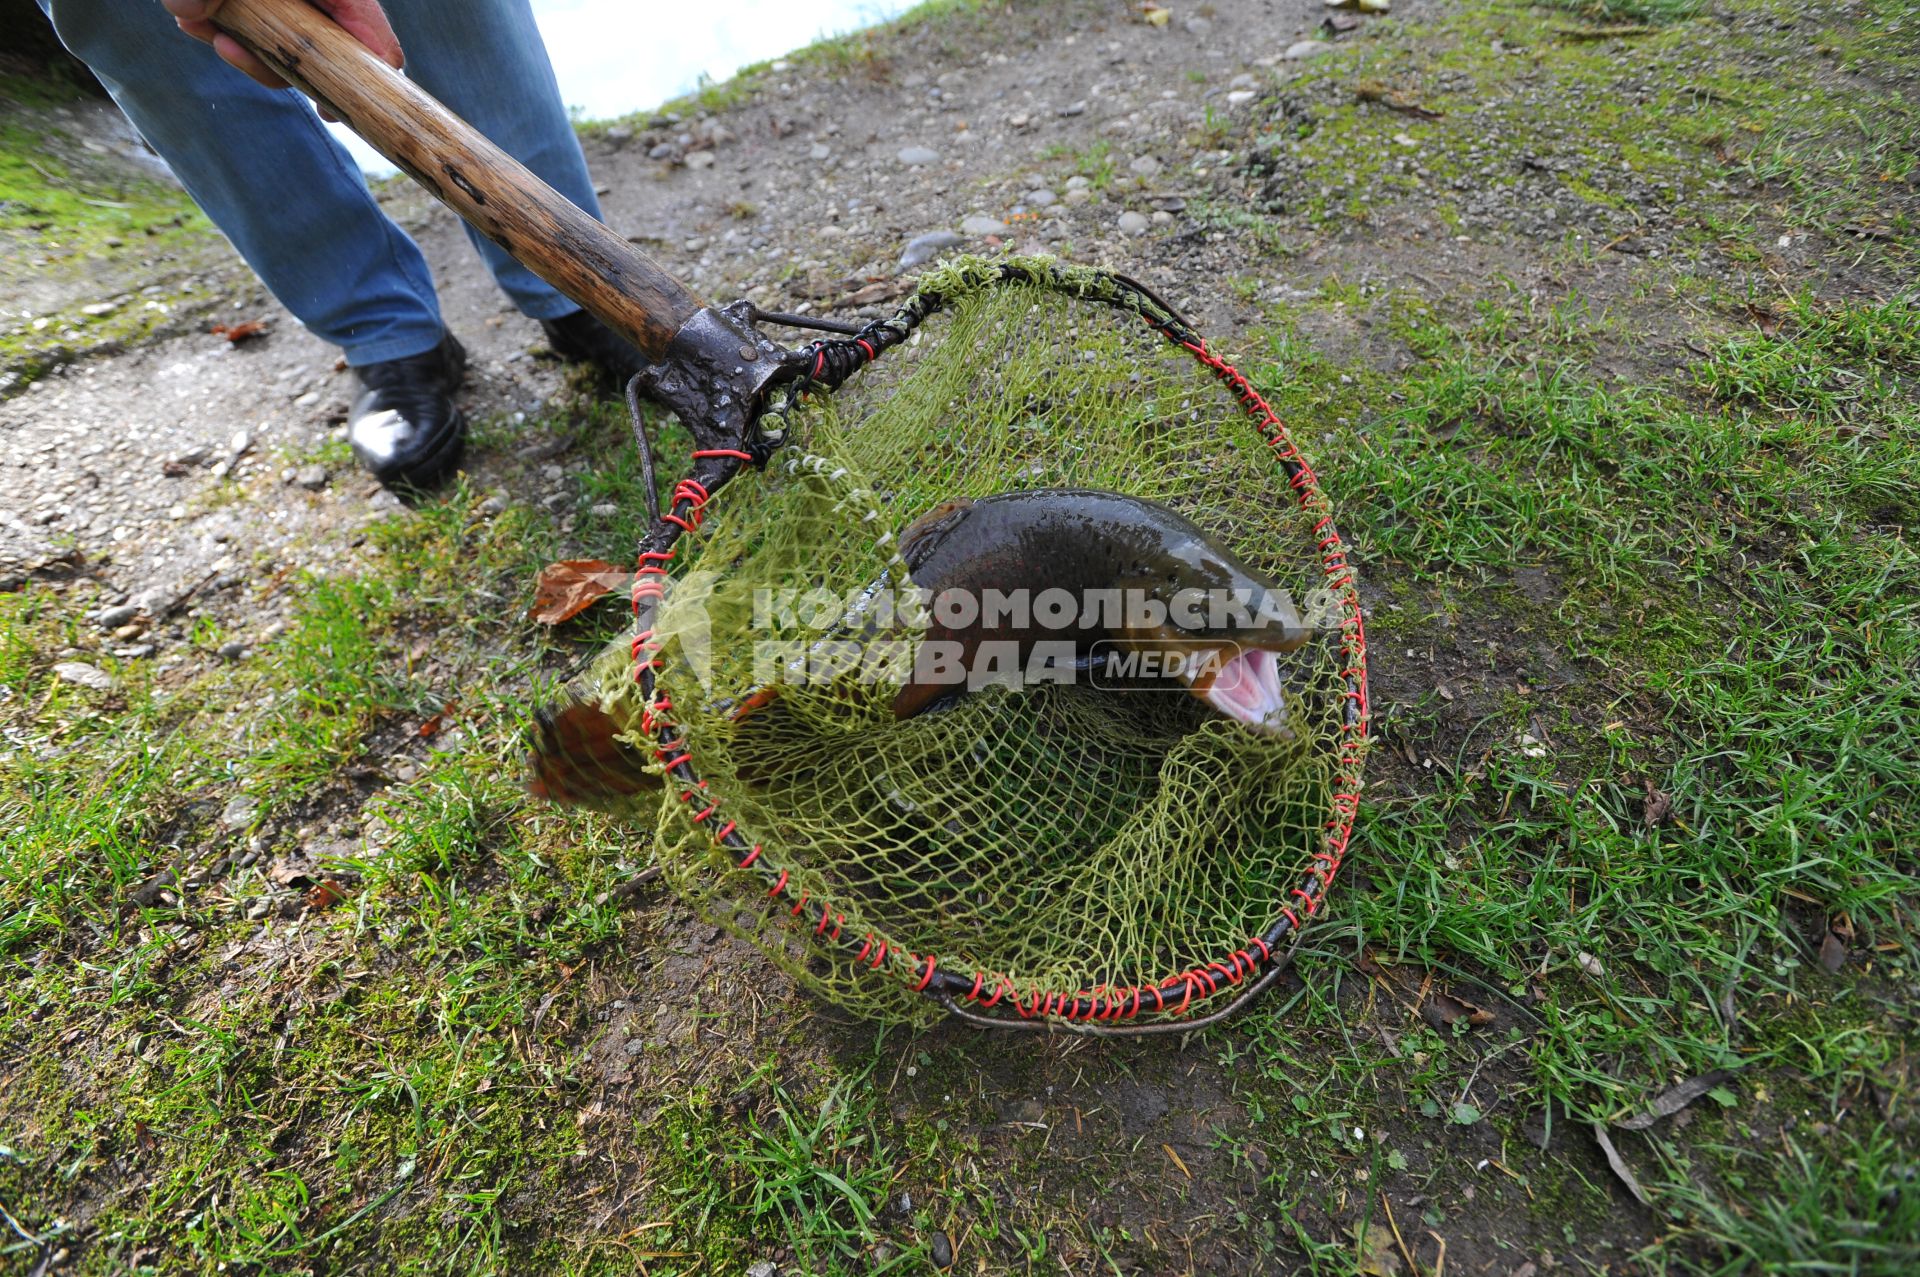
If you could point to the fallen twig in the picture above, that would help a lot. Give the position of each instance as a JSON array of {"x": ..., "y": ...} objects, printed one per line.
[
  {"x": 1619, "y": 1165},
  {"x": 626, "y": 893}
]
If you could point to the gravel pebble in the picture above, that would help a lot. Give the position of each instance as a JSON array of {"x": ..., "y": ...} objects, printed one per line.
[
  {"x": 924, "y": 248},
  {"x": 915, "y": 155},
  {"x": 1132, "y": 223},
  {"x": 84, "y": 675},
  {"x": 1301, "y": 50},
  {"x": 980, "y": 224}
]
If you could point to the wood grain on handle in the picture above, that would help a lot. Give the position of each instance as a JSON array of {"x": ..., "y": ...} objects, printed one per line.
[{"x": 543, "y": 230}]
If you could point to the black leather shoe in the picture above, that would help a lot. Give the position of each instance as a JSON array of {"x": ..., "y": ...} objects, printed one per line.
[
  {"x": 579, "y": 338},
  {"x": 405, "y": 427}
]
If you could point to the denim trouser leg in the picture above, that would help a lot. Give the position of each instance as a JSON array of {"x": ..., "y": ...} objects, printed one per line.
[
  {"x": 290, "y": 199},
  {"x": 486, "y": 61}
]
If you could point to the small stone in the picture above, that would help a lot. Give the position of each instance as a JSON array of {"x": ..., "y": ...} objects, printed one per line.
[
  {"x": 619, "y": 133},
  {"x": 191, "y": 457},
  {"x": 661, "y": 151},
  {"x": 1161, "y": 217},
  {"x": 819, "y": 151},
  {"x": 1245, "y": 80},
  {"x": 84, "y": 675},
  {"x": 924, "y": 248},
  {"x": 137, "y": 652},
  {"x": 232, "y": 651},
  {"x": 1301, "y": 50},
  {"x": 312, "y": 478},
  {"x": 1197, "y": 25},
  {"x": 495, "y": 504},
  {"x": 177, "y": 512},
  {"x": 605, "y": 510},
  {"x": 1041, "y": 198},
  {"x": 100, "y": 308},
  {"x": 1078, "y": 195},
  {"x": 1079, "y": 182},
  {"x": 765, "y": 1268},
  {"x": 1240, "y": 97},
  {"x": 940, "y": 1250},
  {"x": 917, "y": 155},
  {"x": 700, "y": 159},
  {"x": 405, "y": 770},
  {"x": 307, "y": 400},
  {"x": 1074, "y": 108},
  {"x": 1145, "y": 166},
  {"x": 1132, "y": 223},
  {"x": 112, "y": 618},
  {"x": 239, "y": 811},
  {"x": 981, "y": 224}
]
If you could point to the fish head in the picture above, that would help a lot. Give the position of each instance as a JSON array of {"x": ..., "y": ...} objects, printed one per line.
[
  {"x": 1227, "y": 627},
  {"x": 1246, "y": 684},
  {"x": 1193, "y": 589}
]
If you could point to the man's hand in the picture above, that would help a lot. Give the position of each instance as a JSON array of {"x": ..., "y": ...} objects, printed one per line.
[{"x": 364, "y": 20}]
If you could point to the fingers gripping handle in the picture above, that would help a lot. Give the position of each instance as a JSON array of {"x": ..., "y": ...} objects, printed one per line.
[{"x": 543, "y": 230}]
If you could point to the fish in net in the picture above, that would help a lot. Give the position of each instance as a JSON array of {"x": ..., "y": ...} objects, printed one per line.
[{"x": 1060, "y": 851}]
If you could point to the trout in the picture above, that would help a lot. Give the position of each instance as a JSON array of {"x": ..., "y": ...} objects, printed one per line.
[{"x": 1077, "y": 576}]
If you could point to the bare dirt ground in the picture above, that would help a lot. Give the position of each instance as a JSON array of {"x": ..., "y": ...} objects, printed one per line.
[{"x": 1496, "y": 177}]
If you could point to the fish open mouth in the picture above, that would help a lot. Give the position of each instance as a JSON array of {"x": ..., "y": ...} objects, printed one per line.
[{"x": 1248, "y": 689}]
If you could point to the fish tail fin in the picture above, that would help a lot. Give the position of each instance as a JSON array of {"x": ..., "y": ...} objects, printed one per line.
[{"x": 579, "y": 758}]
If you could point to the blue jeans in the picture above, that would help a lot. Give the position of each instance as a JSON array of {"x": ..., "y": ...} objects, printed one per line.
[{"x": 289, "y": 197}]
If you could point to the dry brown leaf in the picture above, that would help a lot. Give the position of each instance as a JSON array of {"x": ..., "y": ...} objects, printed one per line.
[
  {"x": 1377, "y": 1256},
  {"x": 433, "y": 725},
  {"x": 884, "y": 290},
  {"x": 1674, "y": 1099},
  {"x": 567, "y": 588},
  {"x": 237, "y": 333},
  {"x": 1395, "y": 100},
  {"x": 1659, "y": 805},
  {"x": 1444, "y": 1010}
]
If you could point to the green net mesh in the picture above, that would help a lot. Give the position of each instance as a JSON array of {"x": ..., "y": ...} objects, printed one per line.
[{"x": 1045, "y": 840}]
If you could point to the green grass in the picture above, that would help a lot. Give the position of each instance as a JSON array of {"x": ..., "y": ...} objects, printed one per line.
[
  {"x": 63, "y": 213},
  {"x": 1617, "y": 11},
  {"x": 1697, "y": 577}
]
